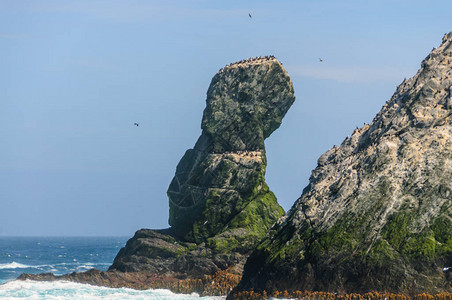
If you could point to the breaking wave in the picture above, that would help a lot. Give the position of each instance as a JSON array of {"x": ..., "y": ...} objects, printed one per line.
[{"x": 56, "y": 290}]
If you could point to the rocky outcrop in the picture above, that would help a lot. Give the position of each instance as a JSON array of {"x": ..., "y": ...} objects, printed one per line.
[
  {"x": 377, "y": 213},
  {"x": 161, "y": 253},
  {"x": 220, "y": 205},
  {"x": 219, "y": 283}
]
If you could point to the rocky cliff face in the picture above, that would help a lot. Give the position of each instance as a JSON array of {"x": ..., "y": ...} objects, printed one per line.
[
  {"x": 377, "y": 213},
  {"x": 220, "y": 205}
]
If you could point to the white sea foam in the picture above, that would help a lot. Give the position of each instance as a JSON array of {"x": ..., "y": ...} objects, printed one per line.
[
  {"x": 14, "y": 265},
  {"x": 84, "y": 268},
  {"x": 69, "y": 290}
]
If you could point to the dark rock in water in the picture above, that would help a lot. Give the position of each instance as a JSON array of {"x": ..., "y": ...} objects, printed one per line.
[
  {"x": 220, "y": 283},
  {"x": 377, "y": 213},
  {"x": 220, "y": 205},
  {"x": 160, "y": 252},
  {"x": 114, "y": 279}
]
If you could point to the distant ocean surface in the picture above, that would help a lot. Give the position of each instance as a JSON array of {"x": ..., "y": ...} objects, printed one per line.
[{"x": 61, "y": 255}]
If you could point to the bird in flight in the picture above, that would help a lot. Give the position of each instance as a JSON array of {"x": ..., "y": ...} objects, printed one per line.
[
  {"x": 320, "y": 60},
  {"x": 250, "y": 15},
  {"x": 136, "y": 124}
]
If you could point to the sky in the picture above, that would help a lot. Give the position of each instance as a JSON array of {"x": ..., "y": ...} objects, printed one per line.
[{"x": 76, "y": 75}]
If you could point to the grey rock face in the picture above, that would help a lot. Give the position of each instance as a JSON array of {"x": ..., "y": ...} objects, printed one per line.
[
  {"x": 159, "y": 252},
  {"x": 246, "y": 102},
  {"x": 377, "y": 213}
]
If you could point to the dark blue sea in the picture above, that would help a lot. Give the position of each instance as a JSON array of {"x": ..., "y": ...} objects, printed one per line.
[{"x": 61, "y": 255}]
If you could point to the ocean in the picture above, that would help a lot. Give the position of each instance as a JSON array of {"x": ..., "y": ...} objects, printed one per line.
[{"x": 61, "y": 255}]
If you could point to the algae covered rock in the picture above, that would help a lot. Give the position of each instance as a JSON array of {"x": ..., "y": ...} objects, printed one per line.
[
  {"x": 220, "y": 205},
  {"x": 377, "y": 213},
  {"x": 217, "y": 180}
]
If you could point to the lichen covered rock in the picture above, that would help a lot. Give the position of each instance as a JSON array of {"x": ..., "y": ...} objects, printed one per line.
[{"x": 377, "y": 213}]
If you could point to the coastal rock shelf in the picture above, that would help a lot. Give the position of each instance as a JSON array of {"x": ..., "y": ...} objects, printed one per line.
[{"x": 377, "y": 212}]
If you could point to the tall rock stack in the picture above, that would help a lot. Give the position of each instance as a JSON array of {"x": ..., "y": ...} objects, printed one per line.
[
  {"x": 220, "y": 205},
  {"x": 377, "y": 213},
  {"x": 219, "y": 184}
]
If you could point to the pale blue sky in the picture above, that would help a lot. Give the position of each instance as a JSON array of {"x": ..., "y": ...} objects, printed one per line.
[{"x": 76, "y": 75}]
